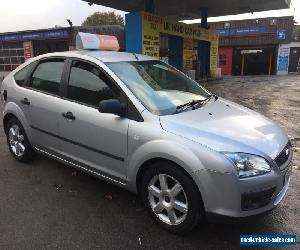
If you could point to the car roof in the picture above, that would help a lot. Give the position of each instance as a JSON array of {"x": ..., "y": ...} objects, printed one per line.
[{"x": 104, "y": 56}]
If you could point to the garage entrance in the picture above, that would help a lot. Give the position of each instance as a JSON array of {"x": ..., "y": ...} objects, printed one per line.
[
  {"x": 254, "y": 61},
  {"x": 189, "y": 55},
  {"x": 294, "y": 65}
]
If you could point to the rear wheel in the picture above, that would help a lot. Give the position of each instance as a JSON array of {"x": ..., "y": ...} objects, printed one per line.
[
  {"x": 171, "y": 197},
  {"x": 17, "y": 141}
]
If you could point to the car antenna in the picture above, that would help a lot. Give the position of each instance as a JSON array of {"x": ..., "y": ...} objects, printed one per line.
[{"x": 136, "y": 57}]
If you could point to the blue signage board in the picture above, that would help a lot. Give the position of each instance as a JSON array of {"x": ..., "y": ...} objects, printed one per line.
[
  {"x": 283, "y": 60},
  {"x": 223, "y": 32},
  {"x": 281, "y": 35},
  {"x": 35, "y": 36},
  {"x": 283, "y": 63},
  {"x": 241, "y": 31}
]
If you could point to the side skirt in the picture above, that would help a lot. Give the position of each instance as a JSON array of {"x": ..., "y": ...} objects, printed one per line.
[{"x": 82, "y": 167}]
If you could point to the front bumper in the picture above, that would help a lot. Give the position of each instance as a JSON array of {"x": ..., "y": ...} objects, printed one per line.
[{"x": 226, "y": 195}]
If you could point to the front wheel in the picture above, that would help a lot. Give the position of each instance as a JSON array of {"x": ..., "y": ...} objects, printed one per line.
[
  {"x": 18, "y": 142},
  {"x": 171, "y": 197}
]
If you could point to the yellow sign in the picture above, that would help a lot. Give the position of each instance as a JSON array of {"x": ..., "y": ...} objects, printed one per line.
[
  {"x": 214, "y": 57},
  {"x": 154, "y": 25},
  {"x": 188, "y": 53},
  {"x": 151, "y": 45}
]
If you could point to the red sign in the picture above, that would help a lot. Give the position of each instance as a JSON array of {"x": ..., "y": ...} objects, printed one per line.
[{"x": 27, "y": 50}]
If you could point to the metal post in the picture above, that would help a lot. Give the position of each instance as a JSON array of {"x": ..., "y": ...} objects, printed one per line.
[
  {"x": 243, "y": 64},
  {"x": 204, "y": 15},
  {"x": 270, "y": 65},
  {"x": 150, "y": 6}
]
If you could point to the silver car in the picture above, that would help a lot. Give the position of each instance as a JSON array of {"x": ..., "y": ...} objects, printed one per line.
[{"x": 141, "y": 124}]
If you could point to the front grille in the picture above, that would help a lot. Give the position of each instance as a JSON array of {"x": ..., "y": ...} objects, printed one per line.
[
  {"x": 283, "y": 156},
  {"x": 256, "y": 200}
]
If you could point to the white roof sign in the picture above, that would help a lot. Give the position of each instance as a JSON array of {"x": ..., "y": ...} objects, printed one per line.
[{"x": 96, "y": 42}]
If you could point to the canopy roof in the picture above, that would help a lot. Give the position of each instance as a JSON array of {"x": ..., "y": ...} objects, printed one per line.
[{"x": 190, "y": 9}]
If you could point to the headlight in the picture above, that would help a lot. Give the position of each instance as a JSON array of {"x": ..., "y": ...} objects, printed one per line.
[{"x": 248, "y": 165}]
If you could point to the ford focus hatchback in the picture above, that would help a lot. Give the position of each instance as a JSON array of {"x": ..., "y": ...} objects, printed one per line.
[{"x": 139, "y": 123}]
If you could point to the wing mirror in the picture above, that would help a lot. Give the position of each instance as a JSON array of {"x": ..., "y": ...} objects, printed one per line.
[{"x": 112, "y": 106}]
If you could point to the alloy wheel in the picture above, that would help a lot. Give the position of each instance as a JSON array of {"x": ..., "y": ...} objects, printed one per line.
[
  {"x": 168, "y": 199},
  {"x": 16, "y": 140}
]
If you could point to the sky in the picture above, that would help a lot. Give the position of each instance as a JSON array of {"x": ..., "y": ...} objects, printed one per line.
[{"x": 17, "y": 15}]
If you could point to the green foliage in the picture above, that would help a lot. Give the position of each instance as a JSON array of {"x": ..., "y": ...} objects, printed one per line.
[{"x": 104, "y": 18}]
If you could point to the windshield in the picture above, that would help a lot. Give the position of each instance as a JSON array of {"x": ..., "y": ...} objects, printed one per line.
[{"x": 160, "y": 87}]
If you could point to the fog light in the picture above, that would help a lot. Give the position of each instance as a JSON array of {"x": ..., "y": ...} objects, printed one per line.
[{"x": 251, "y": 201}]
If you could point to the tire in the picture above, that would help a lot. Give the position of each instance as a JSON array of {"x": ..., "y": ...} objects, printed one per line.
[
  {"x": 178, "y": 204},
  {"x": 18, "y": 143}
]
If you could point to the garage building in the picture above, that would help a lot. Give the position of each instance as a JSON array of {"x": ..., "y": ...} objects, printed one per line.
[
  {"x": 250, "y": 47},
  {"x": 17, "y": 47}
]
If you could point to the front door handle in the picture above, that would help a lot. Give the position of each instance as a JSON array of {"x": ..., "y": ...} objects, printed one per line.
[
  {"x": 25, "y": 101},
  {"x": 69, "y": 116}
]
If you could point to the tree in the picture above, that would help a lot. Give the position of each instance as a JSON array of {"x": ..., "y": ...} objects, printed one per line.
[{"x": 104, "y": 18}]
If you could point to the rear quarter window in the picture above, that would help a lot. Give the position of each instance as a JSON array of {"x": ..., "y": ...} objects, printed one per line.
[{"x": 21, "y": 76}]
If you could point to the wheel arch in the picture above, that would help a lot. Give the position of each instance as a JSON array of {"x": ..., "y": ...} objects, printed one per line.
[
  {"x": 6, "y": 119},
  {"x": 161, "y": 150},
  {"x": 142, "y": 170},
  {"x": 12, "y": 110}
]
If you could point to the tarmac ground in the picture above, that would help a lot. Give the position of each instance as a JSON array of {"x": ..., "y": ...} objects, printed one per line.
[{"x": 45, "y": 205}]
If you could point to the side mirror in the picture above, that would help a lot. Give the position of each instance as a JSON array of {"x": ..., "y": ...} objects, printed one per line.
[{"x": 112, "y": 106}]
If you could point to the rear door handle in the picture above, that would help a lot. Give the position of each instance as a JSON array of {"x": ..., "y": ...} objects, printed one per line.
[
  {"x": 69, "y": 116},
  {"x": 25, "y": 101}
]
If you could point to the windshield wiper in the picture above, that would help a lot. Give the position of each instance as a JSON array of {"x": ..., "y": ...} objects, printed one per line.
[
  {"x": 192, "y": 104},
  {"x": 213, "y": 95},
  {"x": 183, "y": 107}
]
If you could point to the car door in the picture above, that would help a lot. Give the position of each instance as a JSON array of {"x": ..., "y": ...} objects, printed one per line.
[
  {"x": 40, "y": 102},
  {"x": 90, "y": 138}
]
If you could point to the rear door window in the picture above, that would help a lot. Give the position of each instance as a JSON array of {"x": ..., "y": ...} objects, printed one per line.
[{"x": 47, "y": 76}]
